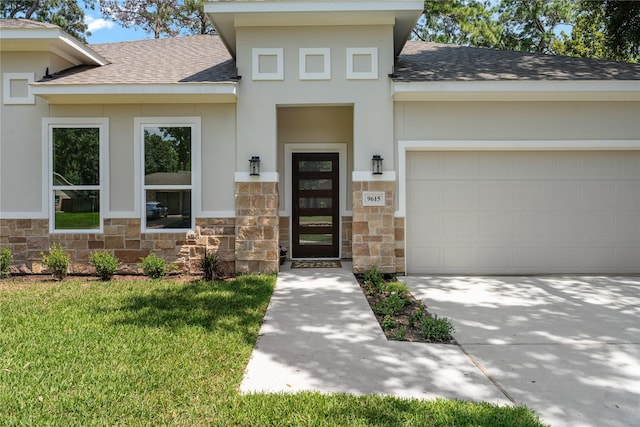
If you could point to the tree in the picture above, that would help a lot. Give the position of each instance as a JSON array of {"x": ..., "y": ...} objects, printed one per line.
[
  {"x": 160, "y": 154},
  {"x": 621, "y": 26},
  {"x": 67, "y": 14},
  {"x": 159, "y": 17},
  {"x": 465, "y": 22},
  {"x": 531, "y": 26},
  {"x": 193, "y": 19}
]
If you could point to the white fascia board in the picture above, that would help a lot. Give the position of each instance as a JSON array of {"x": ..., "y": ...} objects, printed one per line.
[
  {"x": 56, "y": 41},
  {"x": 582, "y": 90},
  {"x": 136, "y": 89},
  {"x": 311, "y": 6}
]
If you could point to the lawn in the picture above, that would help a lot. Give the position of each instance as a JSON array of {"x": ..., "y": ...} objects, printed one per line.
[{"x": 83, "y": 352}]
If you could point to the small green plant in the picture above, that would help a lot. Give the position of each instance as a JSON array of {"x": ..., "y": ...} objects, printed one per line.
[
  {"x": 105, "y": 263},
  {"x": 436, "y": 329},
  {"x": 416, "y": 315},
  {"x": 153, "y": 266},
  {"x": 390, "y": 304},
  {"x": 397, "y": 287},
  {"x": 57, "y": 261},
  {"x": 388, "y": 323},
  {"x": 210, "y": 266},
  {"x": 401, "y": 333},
  {"x": 373, "y": 277},
  {"x": 6, "y": 258}
]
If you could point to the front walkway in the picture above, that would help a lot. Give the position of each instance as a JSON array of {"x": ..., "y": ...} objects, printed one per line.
[{"x": 320, "y": 335}]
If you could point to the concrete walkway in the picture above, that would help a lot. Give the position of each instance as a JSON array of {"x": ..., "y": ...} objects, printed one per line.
[
  {"x": 567, "y": 347},
  {"x": 320, "y": 335}
]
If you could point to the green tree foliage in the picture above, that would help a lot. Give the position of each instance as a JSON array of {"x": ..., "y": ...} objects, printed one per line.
[
  {"x": 599, "y": 29},
  {"x": 67, "y": 14},
  {"x": 465, "y": 22},
  {"x": 76, "y": 155},
  {"x": 159, "y": 17},
  {"x": 531, "y": 25},
  {"x": 160, "y": 154}
]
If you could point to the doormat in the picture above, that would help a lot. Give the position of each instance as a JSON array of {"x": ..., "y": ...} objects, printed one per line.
[{"x": 316, "y": 264}]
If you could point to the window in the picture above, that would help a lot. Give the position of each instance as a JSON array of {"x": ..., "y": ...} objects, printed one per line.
[
  {"x": 169, "y": 153},
  {"x": 76, "y": 175}
]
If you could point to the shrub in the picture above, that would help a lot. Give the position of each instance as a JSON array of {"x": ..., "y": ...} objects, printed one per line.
[
  {"x": 416, "y": 315},
  {"x": 390, "y": 304},
  {"x": 388, "y": 323},
  {"x": 210, "y": 266},
  {"x": 373, "y": 277},
  {"x": 153, "y": 267},
  {"x": 105, "y": 263},
  {"x": 436, "y": 329},
  {"x": 6, "y": 258},
  {"x": 397, "y": 287},
  {"x": 401, "y": 333},
  {"x": 57, "y": 261}
]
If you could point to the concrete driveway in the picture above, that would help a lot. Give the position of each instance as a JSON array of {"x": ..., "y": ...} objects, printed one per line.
[{"x": 567, "y": 347}]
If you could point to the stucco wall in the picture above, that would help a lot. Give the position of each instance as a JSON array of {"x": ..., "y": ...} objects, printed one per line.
[
  {"x": 516, "y": 120},
  {"x": 21, "y": 141},
  {"x": 259, "y": 100}
]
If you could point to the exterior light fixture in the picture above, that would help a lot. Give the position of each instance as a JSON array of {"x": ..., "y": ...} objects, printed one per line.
[
  {"x": 376, "y": 162},
  {"x": 254, "y": 166}
]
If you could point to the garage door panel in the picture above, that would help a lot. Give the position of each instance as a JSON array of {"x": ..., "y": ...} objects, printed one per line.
[
  {"x": 524, "y": 212},
  {"x": 431, "y": 194},
  {"x": 527, "y": 195},
  {"x": 494, "y": 194},
  {"x": 458, "y": 194}
]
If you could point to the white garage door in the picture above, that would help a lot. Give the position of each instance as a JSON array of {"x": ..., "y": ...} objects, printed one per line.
[{"x": 523, "y": 212}]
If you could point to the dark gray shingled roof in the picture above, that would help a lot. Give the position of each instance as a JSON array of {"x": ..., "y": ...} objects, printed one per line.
[
  {"x": 431, "y": 62},
  {"x": 195, "y": 59}
]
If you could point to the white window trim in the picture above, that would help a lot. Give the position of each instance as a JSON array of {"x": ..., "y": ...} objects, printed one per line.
[
  {"x": 102, "y": 123},
  {"x": 320, "y": 51},
  {"x": 255, "y": 63},
  {"x": 354, "y": 75},
  {"x": 196, "y": 158},
  {"x": 7, "y": 99}
]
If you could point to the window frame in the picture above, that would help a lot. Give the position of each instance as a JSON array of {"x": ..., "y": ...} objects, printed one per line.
[
  {"x": 145, "y": 122},
  {"x": 102, "y": 124}
]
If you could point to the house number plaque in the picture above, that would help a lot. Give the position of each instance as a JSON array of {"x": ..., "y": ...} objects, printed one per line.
[{"x": 373, "y": 198}]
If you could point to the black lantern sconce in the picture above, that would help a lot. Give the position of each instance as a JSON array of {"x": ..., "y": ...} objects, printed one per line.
[
  {"x": 254, "y": 166},
  {"x": 376, "y": 162}
]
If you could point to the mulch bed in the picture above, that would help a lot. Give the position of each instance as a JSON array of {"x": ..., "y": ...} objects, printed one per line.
[{"x": 413, "y": 333}]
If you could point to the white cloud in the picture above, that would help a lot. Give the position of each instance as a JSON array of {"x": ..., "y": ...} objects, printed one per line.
[{"x": 94, "y": 24}]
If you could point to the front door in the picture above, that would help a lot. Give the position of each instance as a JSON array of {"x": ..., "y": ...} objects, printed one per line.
[{"x": 315, "y": 227}]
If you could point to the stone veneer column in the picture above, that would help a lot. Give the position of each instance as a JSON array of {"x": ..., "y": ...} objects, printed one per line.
[
  {"x": 374, "y": 228},
  {"x": 257, "y": 227}
]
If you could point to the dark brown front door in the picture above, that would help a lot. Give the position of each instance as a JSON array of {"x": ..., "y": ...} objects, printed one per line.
[{"x": 316, "y": 208}]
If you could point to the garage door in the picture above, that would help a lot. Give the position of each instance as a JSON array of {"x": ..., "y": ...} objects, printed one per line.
[{"x": 523, "y": 212}]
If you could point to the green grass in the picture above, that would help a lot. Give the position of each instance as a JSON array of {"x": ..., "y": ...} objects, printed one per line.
[
  {"x": 77, "y": 220},
  {"x": 84, "y": 353}
]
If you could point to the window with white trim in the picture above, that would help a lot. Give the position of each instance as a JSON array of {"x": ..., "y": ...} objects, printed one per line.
[
  {"x": 169, "y": 153},
  {"x": 76, "y": 180}
]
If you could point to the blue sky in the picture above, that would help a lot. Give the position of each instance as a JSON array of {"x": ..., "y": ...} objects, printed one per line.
[{"x": 103, "y": 31}]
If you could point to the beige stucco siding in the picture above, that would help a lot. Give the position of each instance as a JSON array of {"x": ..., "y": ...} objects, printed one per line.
[
  {"x": 370, "y": 99},
  {"x": 516, "y": 120},
  {"x": 21, "y": 141}
]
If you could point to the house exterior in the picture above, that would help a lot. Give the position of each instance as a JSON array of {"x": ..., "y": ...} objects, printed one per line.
[{"x": 492, "y": 162}]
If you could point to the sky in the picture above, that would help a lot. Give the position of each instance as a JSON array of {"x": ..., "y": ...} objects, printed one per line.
[{"x": 103, "y": 31}]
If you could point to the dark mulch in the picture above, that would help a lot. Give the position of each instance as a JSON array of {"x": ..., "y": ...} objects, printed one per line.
[{"x": 401, "y": 321}]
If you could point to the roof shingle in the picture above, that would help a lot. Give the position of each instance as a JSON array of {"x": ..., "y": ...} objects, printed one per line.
[
  {"x": 431, "y": 62},
  {"x": 194, "y": 59}
]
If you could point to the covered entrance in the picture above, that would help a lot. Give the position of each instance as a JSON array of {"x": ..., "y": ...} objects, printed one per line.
[{"x": 315, "y": 222}]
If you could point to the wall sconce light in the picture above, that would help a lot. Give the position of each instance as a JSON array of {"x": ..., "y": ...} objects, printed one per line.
[
  {"x": 377, "y": 164},
  {"x": 254, "y": 166}
]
